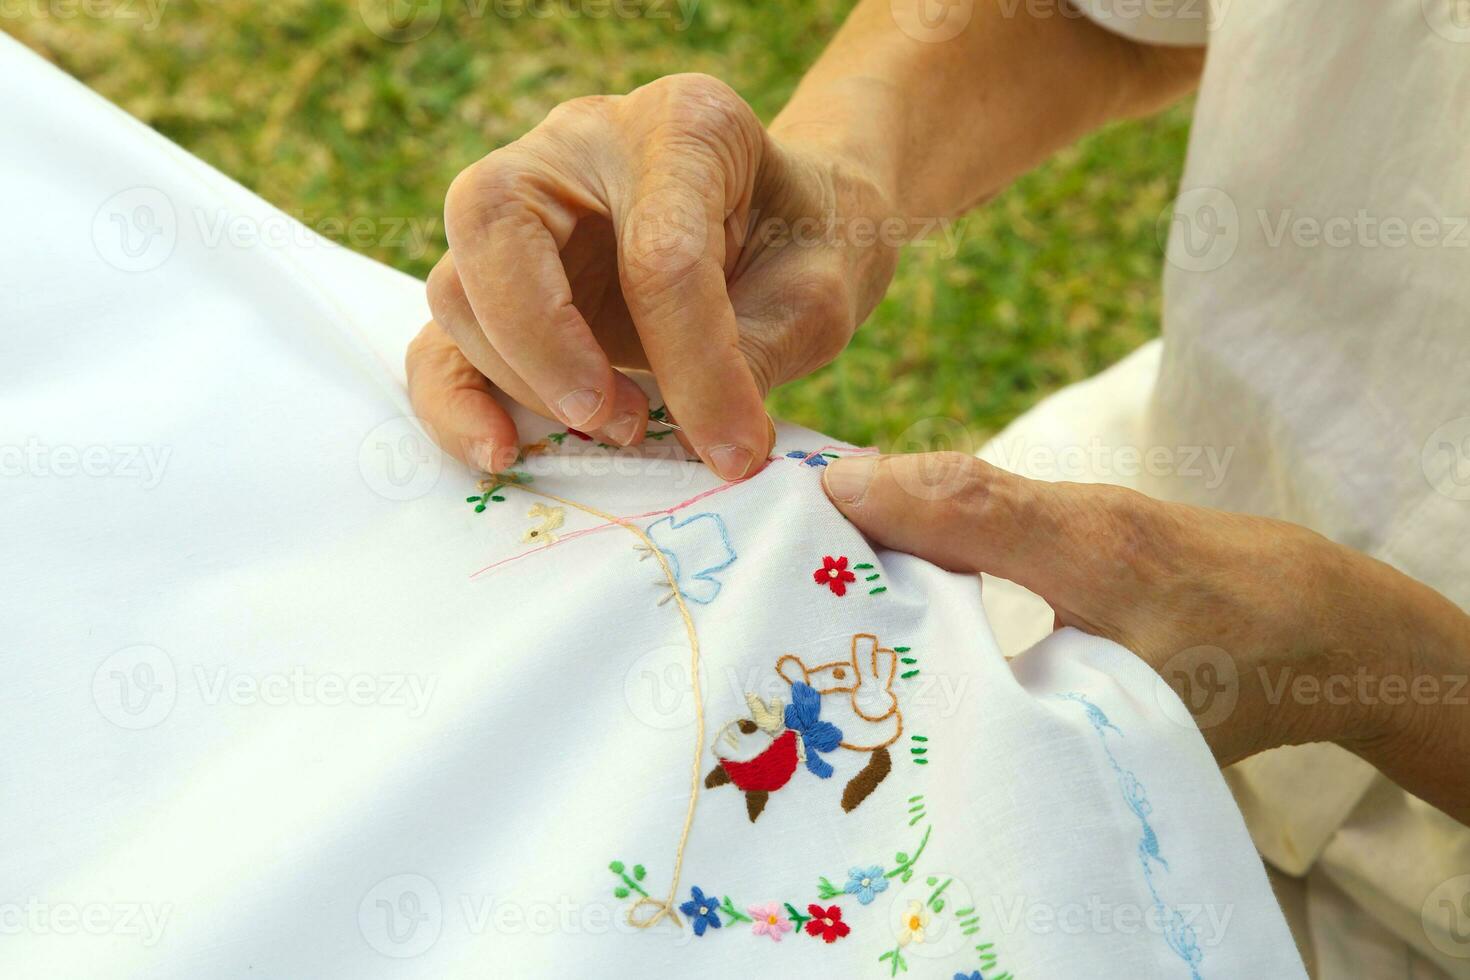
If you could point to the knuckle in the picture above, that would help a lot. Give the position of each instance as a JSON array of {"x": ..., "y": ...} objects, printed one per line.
[
  {"x": 661, "y": 257},
  {"x": 493, "y": 190},
  {"x": 702, "y": 111},
  {"x": 429, "y": 352},
  {"x": 765, "y": 360},
  {"x": 821, "y": 303},
  {"x": 446, "y": 295},
  {"x": 575, "y": 112},
  {"x": 704, "y": 99},
  {"x": 956, "y": 487}
]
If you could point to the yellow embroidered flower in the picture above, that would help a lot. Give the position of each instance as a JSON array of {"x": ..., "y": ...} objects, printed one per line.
[
  {"x": 535, "y": 449},
  {"x": 911, "y": 927}
]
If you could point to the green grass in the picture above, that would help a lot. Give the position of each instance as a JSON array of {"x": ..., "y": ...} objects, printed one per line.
[{"x": 299, "y": 100}]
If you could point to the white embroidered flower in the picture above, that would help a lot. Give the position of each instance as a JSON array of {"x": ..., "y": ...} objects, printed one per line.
[{"x": 911, "y": 927}]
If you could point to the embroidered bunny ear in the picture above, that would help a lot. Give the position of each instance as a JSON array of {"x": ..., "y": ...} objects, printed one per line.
[
  {"x": 874, "y": 663},
  {"x": 873, "y": 698}
]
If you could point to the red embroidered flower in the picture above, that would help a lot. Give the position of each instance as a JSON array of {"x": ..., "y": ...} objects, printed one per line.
[
  {"x": 827, "y": 923},
  {"x": 834, "y": 574},
  {"x": 580, "y": 435}
]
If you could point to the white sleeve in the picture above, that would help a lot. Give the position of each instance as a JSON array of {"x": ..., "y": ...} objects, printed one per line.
[{"x": 1181, "y": 22}]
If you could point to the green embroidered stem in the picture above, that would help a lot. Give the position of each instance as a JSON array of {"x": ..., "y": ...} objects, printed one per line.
[
  {"x": 730, "y": 910},
  {"x": 629, "y": 884},
  {"x": 797, "y": 919},
  {"x": 492, "y": 485},
  {"x": 907, "y": 661},
  {"x": 904, "y": 869},
  {"x": 896, "y": 955},
  {"x": 825, "y": 889},
  {"x": 868, "y": 566},
  {"x": 934, "y": 901}
]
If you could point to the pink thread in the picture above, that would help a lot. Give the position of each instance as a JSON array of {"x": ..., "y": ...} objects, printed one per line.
[{"x": 573, "y": 535}]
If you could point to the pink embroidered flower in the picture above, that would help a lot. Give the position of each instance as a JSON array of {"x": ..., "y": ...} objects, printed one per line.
[
  {"x": 834, "y": 574},
  {"x": 769, "y": 920},
  {"x": 827, "y": 924}
]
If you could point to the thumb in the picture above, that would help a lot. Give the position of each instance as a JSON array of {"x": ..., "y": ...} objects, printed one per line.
[{"x": 962, "y": 514}]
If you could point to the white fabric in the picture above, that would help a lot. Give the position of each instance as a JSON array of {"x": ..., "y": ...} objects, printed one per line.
[
  {"x": 262, "y": 719},
  {"x": 1316, "y": 299},
  {"x": 1172, "y": 22}
]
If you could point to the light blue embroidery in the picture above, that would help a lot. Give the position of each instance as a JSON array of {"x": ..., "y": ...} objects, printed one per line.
[
  {"x": 865, "y": 883},
  {"x": 698, "y": 548},
  {"x": 1178, "y": 933}
]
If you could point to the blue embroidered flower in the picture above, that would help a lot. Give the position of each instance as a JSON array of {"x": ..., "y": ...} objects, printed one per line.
[
  {"x": 703, "y": 912},
  {"x": 977, "y": 975},
  {"x": 816, "y": 735},
  {"x": 810, "y": 459},
  {"x": 865, "y": 883}
]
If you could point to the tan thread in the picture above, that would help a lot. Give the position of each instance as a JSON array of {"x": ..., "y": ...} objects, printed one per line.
[
  {"x": 551, "y": 518},
  {"x": 665, "y": 907}
]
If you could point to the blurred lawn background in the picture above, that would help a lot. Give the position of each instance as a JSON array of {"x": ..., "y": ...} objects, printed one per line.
[{"x": 306, "y": 103}]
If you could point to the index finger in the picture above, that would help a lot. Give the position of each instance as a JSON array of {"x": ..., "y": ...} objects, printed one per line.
[
  {"x": 505, "y": 230},
  {"x": 671, "y": 263}
]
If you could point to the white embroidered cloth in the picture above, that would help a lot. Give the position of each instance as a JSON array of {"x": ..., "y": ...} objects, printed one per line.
[{"x": 282, "y": 702}]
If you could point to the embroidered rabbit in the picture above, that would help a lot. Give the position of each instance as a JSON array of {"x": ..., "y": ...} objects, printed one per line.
[{"x": 868, "y": 714}]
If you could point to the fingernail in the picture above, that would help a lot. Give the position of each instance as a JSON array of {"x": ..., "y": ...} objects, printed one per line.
[
  {"x": 731, "y": 462},
  {"x": 847, "y": 479},
  {"x": 771, "y": 429},
  {"x": 575, "y": 409},
  {"x": 623, "y": 429},
  {"x": 487, "y": 457}
]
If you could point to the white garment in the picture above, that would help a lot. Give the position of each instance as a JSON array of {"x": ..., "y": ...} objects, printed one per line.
[
  {"x": 262, "y": 719},
  {"x": 1316, "y": 301}
]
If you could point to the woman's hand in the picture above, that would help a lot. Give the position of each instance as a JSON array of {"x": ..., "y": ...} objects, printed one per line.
[
  {"x": 664, "y": 230},
  {"x": 1320, "y": 643}
]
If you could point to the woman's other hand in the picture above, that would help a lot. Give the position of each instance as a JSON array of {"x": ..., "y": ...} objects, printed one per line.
[{"x": 1321, "y": 643}]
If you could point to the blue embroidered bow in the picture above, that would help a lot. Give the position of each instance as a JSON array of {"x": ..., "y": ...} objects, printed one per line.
[{"x": 816, "y": 735}]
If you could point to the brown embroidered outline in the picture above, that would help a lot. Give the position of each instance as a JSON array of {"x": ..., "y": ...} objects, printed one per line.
[{"x": 836, "y": 666}]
